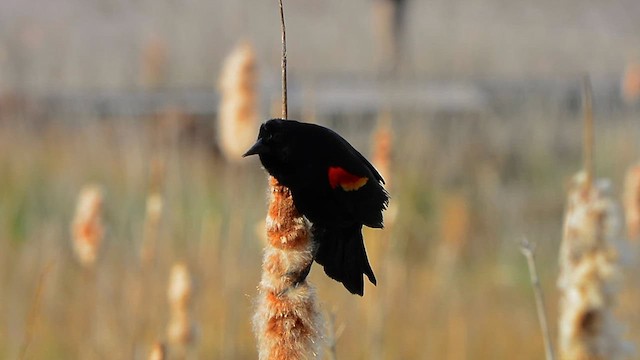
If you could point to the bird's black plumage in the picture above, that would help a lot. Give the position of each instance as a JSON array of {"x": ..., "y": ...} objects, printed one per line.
[{"x": 333, "y": 186}]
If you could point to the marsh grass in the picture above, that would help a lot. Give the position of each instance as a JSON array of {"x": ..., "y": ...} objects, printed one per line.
[{"x": 511, "y": 172}]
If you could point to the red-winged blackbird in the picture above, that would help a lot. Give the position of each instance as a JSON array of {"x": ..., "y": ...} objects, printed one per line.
[{"x": 333, "y": 186}]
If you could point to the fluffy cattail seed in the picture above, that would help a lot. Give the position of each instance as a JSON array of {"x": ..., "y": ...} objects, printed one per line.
[
  {"x": 287, "y": 322},
  {"x": 590, "y": 274},
  {"x": 237, "y": 115},
  {"x": 87, "y": 228}
]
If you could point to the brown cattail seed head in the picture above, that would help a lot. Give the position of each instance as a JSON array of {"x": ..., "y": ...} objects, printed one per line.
[
  {"x": 238, "y": 116},
  {"x": 180, "y": 286},
  {"x": 632, "y": 202},
  {"x": 382, "y": 146},
  {"x": 631, "y": 83},
  {"x": 87, "y": 227},
  {"x": 181, "y": 330},
  {"x": 287, "y": 322},
  {"x": 158, "y": 352},
  {"x": 590, "y": 274}
]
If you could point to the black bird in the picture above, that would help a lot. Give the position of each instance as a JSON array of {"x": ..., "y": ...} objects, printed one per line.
[{"x": 333, "y": 186}]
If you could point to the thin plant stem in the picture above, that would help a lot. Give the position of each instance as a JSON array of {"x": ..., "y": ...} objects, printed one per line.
[
  {"x": 285, "y": 111},
  {"x": 527, "y": 249},
  {"x": 588, "y": 136},
  {"x": 34, "y": 311}
]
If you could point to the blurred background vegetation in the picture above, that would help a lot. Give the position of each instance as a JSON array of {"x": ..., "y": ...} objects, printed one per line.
[{"x": 479, "y": 105}]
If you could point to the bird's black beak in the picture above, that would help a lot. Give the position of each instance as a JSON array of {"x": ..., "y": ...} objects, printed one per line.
[{"x": 257, "y": 148}]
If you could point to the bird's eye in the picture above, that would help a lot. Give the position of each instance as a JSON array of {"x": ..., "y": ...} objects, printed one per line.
[{"x": 277, "y": 137}]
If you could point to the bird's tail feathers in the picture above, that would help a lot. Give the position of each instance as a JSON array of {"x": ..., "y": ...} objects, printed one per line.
[{"x": 341, "y": 251}]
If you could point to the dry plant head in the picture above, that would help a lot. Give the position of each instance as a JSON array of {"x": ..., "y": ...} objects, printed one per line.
[
  {"x": 382, "y": 154},
  {"x": 153, "y": 63},
  {"x": 631, "y": 201},
  {"x": 590, "y": 274},
  {"x": 181, "y": 329},
  {"x": 153, "y": 213},
  {"x": 382, "y": 146},
  {"x": 287, "y": 322},
  {"x": 158, "y": 351},
  {"x": 630, "y": 86},
  {"x": 237, "y": 115},
  {"x": 87, "y": 228},
  {"x": 180, "y": 287}
]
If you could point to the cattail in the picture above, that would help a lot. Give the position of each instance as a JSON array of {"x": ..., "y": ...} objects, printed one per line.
[
  {"x": 590, "y": 274},
  {"x": 153, "y": 213},
  {"x": 630, "y": 86},
  {"x": 287, "y": 322},
  {"x": 158, "y": 352},
  {"x": 632, "y": 202},
  {"x": 382, "y": 143},
  {"x": 153, "y": 63},
  {"x": 87, "y": 228},
  {"x": 382, "y": 159},
  {"x": 237, "y": 115},
  {"x": 181, "y": 330}
]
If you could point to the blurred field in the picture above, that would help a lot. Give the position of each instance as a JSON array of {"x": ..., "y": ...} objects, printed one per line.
[
  {"x": 465, "y": 185},
  {"x": 475, "y": 303}
]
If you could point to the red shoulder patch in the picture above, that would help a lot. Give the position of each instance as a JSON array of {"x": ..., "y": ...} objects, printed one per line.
[{"x": 347, "y": 181}]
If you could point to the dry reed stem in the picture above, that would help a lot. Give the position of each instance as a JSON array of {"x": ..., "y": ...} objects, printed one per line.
[
  {"x": 237, "y": 115},
  {"x": 590, "y": 274},
  {"x": 528, "y": 250},
  {"x": 631, "y": 201},
  {"x": 287, "y": 323},
  {"x": 34, "y": 311},
  {"x": 588, "y": 143},
  {"x": 333, "y": 333},
  {"x": 181, "y": 330},
  {"x": 283, "y": 31},
  {"x": 87, "y": 228}
]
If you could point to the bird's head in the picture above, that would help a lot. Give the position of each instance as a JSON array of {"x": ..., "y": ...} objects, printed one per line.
[{"x": 275, "y": 141}]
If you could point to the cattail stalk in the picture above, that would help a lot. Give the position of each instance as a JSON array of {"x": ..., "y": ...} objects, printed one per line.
[
  {"x": 590, "y": 274},
  {"x": 237, "y": 115},
  {"x": 528, "y": 250},
  {"x": 87, "y": 228},
  {"x": 283, "y": 31},
  {"x": 34, "y": 311},
  {"x": 287, "y": 323}
]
